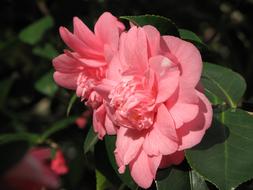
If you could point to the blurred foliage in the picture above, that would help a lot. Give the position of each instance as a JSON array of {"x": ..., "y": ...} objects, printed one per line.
[{"x": 31, "y": 103}]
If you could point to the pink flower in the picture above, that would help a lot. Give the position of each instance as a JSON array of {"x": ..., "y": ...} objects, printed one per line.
[
  {"x": 84, "y": 67},
  {"x": 32, "y": 172},
  {"x": 58, "y": 164},
  {"x": 152, "y": 102}
]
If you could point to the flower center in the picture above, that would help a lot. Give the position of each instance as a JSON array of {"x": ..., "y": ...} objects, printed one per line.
[{"x": 133, "y": 103}]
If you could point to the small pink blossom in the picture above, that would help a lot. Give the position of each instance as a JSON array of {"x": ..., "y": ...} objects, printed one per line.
[
  {"x": 58, "y": 164},
  {"x": 152, "y": 103},
  {"x": 84, "y": 67},
  {"x": 82, "y": 121},
  {"x": 32, "y": 172}
]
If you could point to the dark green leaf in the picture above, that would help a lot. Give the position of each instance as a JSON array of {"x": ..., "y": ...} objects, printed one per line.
[
  {"x": 34, "y": 32},
  {"x": 223, "y": 84},
  {"x": 191, "y": 37},
  {"x": 90, "y": 140},
  {"x": 71, "y": 102},
  {"x": 47, "y": 51},
  {"x": 224, "y": 157},
  {"x": 58, "y": 126},
  {"x": 46, "y": 84},
  {"x": 163, "y": 24},
  {"x": 126, "y": 177},
  {"x": 178, "y": 179}
]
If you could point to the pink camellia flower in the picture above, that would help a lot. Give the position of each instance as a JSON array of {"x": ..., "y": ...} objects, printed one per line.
[
  {"x": 58, "y": 164},
  {"x": 82, "y": 68},
  {"x": 32, "y": 172},
  {"x": 152, "y": 102}
]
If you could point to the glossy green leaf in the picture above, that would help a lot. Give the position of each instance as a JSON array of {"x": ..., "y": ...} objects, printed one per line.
[
  {"x": 224, "y": 156},
  {"x": 223, "y": 84},
  {"x": 163, "y": 24},
  {"x": 71, "y": 102},
  {"x": 46, "y": 84},
  {"x": 177, "y": 179},
  {"x": 191, "y": 37},
  {"x": 58, "y": 126},
  {"x": 126, "y": 177},
  {"x": 34, "y": 32},
  {"x": 47, "y": 51},
  {"x": 90, "y": 140}
]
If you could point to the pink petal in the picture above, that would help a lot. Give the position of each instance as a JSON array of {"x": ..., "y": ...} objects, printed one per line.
[
  {"x": 135, "y": 50},
  {"x": 162, "y": 138},
  {"x": 93, "y": 62},
  {"x": 183, "y": 113},
  {"x": 143, "y": 169},
  {"x": 114, "y": 70},
  {"x": 168, "y": 77},
  {"x": 99, "y": 121},
  {"x": 128, "y": 144},
  {"x": 188, "y": 57},
  {"x": 84, "y": 34},
  {"x": 172, "y": 159},
  {"x": 110, "y": 127},
  {"x": 192, "y": 132},
  {"x": 108, "y": 29},
  {"x": 66, "y": 80},
  {"x": 153, "y": 37},
  {"x": 104, "y": 88},
  {"x": 66, "y": 64},
  {"x": 78, "y": 46}
]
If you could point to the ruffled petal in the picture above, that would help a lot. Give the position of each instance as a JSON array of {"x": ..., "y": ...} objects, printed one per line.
[
  {"x": 153, "y": 37},
  {"x": 87, "y": 36},
  {"x": 99, "y": 121},
  {"x": 110, "y": 127},
  {"x": 192, "y": 132},
  {"x": 143, "y": 169},
  {"x": 188, "y": 58},
  {"x": 66, "y": 64},
  {"x": 128, "y": 145},
  {"x": 107, "y": 29},
  {"x": 66, "y": 80}
]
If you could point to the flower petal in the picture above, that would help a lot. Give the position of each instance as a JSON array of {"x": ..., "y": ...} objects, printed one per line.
[
  {"x": 84, "y": 34},
  {"x": 188, "y": 58},
  {"x": 66, "y": 80},
  {"x": 99, "y": 121},
  {"x": 153, "y": 37},
  {"x": 110, "y": 127},
  {"x": 192, "y": 132},
  {"x": 66, "y": 64},
  {"x": 128, "y": 144},
  {"x": 143, "y": 169}
]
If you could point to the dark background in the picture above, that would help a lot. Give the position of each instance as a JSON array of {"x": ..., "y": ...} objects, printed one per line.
[{"x": 225, "y": 26}]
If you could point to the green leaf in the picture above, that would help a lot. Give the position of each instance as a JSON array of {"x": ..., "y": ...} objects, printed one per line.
[
  {"x": 223, "y": 84},
  {"x": 224, "y": 156},
  {"x": 47, "y": 51},
  {"x": 178, "y": 179},
  {"x": 126, "y": 177},
  {"x": 22, "y": 136},
  {"x": 5, "y": 86},
  {"x": 46, "y": 84},
  {"x": 90, "y": 140},
  {"x": 163, "y": 24},
  {"x": 101, "y": 181},
  {"x": 58, "y": 126},
  {"x": 34, "y": 32},
  {"x": 191, "y": 37},
  {"x": 71, "y": 102}
]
